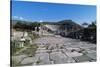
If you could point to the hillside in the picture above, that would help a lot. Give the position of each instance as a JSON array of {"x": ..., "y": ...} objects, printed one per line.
[{"x": 54, "y": 26}]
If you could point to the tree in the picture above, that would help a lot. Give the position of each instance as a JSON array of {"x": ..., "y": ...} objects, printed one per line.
[{"x": 93, "y": 24}]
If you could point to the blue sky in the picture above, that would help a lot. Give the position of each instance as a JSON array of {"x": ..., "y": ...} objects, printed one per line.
[{"x": 36, "y": 11}]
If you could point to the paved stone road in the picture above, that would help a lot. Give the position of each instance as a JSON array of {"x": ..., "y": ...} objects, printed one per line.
[{"x": 57, "y": 50}]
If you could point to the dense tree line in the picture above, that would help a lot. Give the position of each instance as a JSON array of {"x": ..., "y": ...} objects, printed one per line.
[
  {"x": 85, "y": 34},
  {"x": 25, "y": 25},
  {"x": 93, "y": 24}
]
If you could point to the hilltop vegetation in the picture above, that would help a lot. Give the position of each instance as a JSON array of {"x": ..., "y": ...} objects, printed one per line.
[
  {"x": 25, "y": 25},
  {"x": 68, "y": 25}
]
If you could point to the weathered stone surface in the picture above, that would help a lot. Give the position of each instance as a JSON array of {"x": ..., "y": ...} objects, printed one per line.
[
  {"x": 57, "y": 50},
  {"x": 63, "y": 49},
  {"x": 70, "y": 49},
  {"x": 42, "y": 51},
  {"x": 28, "y": 61},
  {"x": 19, "y": 58},
  {"x": 91, "y": 51},
  {"x": 58, "y": 57},
  {"x": 41, "y": 48},
  {"x": 83, "y": 58},
  {"x": 92, "y": 55},
  {"x": 73, "y": 54},
  {"x": 43, "y": 58}
]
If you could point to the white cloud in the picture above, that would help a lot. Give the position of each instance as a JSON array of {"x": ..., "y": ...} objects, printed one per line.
[
  {"x": 15, "y": 17},
  {"x": 41, "y": 21},
  {"x": 21, "y": 18},
  {"x": 18, "y": 17}
]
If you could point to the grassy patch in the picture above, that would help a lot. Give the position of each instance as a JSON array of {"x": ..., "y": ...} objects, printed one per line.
[
  {"x": 14, "y": 47},
  {"x": 13, "y": 63}
]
